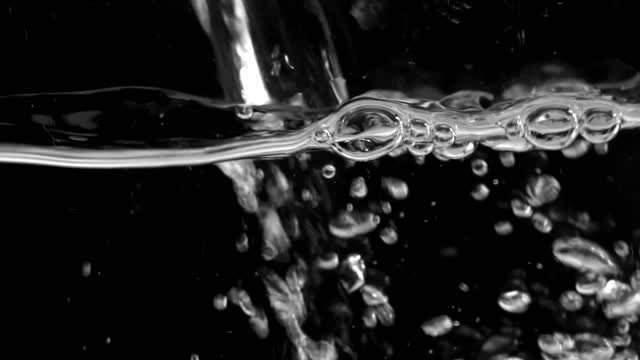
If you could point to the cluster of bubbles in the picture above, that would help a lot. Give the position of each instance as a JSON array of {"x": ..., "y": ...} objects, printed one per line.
[{"x": 367, "y": 128}]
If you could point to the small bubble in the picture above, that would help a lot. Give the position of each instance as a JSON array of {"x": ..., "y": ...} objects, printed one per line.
[
  {"x": 244, "y": 112},
  {"x": 328, "y": 261},
  {"x": 503, "y": 228},
  {"x": 443, "y": 135},
  {"x": 306, "y": 195},
  {"x": 386, "y": 207},
  {"x": 369, "y": 317},
  {"x": 541, "y": 223},
  {"x": 420, "y": 159},
  {"x": 242, "y": 244},
  {"x": 463, "y": 287},
  {"x": 514, "y": 301},
  {"x": 601, "y": 149},
  {"x": 220, "y": 302},
  {"x": 386, "y": 314},
  {"x": 349, "y": 207},
  {"x": 349, "y": 224},
  {"x": 613, "y": 290},
  {"x": 507, "y": 159},
  {"x": 396, "y": 188},
  {"x": 400, "y": 150},
  {"x": 542, "y": 189},
  {"x": 457, "y": 150},
  {"x": 322, "y": 136},
  {"x": 419, "y": 133},
  {"x": 599, "y": 125},
  {"x": 623, "y": 326},
  {"x": 621, "y": 248},
  {"x": 328, "y": 171},
  {"x": 555, "y": 343},
  {"x": 437, "y": 326},
  {"x": 551, "y": 128},
  {"x": 520, "y": 208},
  {"x": 590, "y": 283},
  {"x": 584, "y": 255},
  {"x": 358, "y": 188},
  {"x": 373, "y": 296},
  {"x": 479, "y": 167},
  {"x": 571, "y": 300},
  {"x": 513, "y": 129},
  {"x": 576, "y": 150},
  {"x": 352, "y": 273},
  {"x": 86, "y": 269},
  {"x": 480, "y": 192},
  {"x": 389, "y": 235}
]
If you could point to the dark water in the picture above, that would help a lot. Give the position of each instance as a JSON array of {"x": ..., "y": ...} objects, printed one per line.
[{"x": 126, "y": 263}]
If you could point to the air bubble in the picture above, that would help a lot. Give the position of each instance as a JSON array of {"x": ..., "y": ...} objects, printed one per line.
[
  {"x": 480, "y": 192},
  {"x": 521, "y": 209},
  {"x": 479, "y": 167},
  {"x": 437, "y": 326},
  {"x": 503, "y": 228},
  {"x": 322, "y": 136},
  {"x": 599, "y": 125},
  {"x": 349, "y": 224},
  {"x": 601, "y": 149},
  {"x": 352, "y": 273},
  {"x": 458, "y": 150},
  {"x": 373, "y": 296},
  {"x": 576, "y": 150},
  {"x": 555, "y": 344},
  {"x": 369, "y": 317},
  {"x": 386, "y": 314},
  {"x": 358, "y": 188},
  {"x": 389, "y": 235},
  {"x": 367, "y": 133},
  {"x": 590, "y": 283},
  {"x": 621, "y": 248},
  {"x": 513, "y": 129},
  {"x": 86, "y": 269},
  {"x": 551, "y": 128},
  {"x": 571, "y": 300},
  {"x": 542, "y": 189},
  {"x": 541, "y": 223},
  {"x": 584, "y": 255},
  {"x": 244, "y": 112},
  {"x": 507, "y": 159},
  {"x": 514, "y": 301},
  {"x": 220, "y": 302},
  {"x": 396, "y": 188},
  {"x": 328, "y": 171},
  {"x": 443, "y": 135}
]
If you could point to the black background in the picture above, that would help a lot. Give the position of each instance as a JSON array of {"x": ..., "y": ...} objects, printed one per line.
[{"x": 161, "y": 241}]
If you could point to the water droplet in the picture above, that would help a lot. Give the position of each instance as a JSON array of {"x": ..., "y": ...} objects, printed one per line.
[
  {"x": 551, "y": 128},
  {"x": 443, "y": 135},
  {"x": 590, "y": 283},
  {"x": 480, "y": 192},
  {"x": 621, "y": 248},
  {"x": 507, "y": 159},
  {"x": 599, "y": 125},
  {"x": 369, "y": 317},
  {"x": 583, "y": 255},
  {"x": 542, "y": 189},
  {"x": 627, "y": 305},
  {"x": 373, "y": 296},
  {"x": 328, "y": 171},
  {"x": 358, "y": 188},
  {"x": 86, "y": 269},
  {"x": 555, "y": 344},
  {"x": 520, "y": 208},
  {"x": 386, "y": 314},
  {"x": 503, "y": 228},
  {"x": 349, "y": 224},
  {"x": 541, "y": 223},
  {"x": 328, "y": 261},
  {"x": 352, "y": 273},
  {"x": 220, "y": 302},
  {"x": 514, "y": 301},
  {"x": 576, "y": 150},
  {"x": 396, "y": 188},
  {"x": 479, "y": 167},
  {"x": 367, "y": 133},
  {"x": 437, "y": 326},
  {"x": 571, "y": 300},
  {"x": 389, "y": 235}
]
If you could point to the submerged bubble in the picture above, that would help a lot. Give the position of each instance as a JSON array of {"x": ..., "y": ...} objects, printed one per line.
[
  {"x": 520, "y": 208},
  {"x": 599, "y": 125},
  {"x": 328, "y": 171},
  {"x": 590, "y": 283},
  {"x": 601, "y": 149},
  {"x": 369, "y": 317},
  {"x": 480, "y": 192},
  {"x": 555, "y": 343},
  {"x": 571, "y": 300},
  {"x": 352, "y": 272},
  {"x": 576, "y": 150},
  {"x": 541, "y": 223},
  {"x": 358, "y": 188},
  {"x": 458, "y": 150},
  {"x": 503, "y": 228},
  {"x": 479, "y": 167},
  {"x": 349, "y": 224},
  {"x": 244, "y": 112},
  {"x": 389, "y": 235},
  {"x": 322, "y": 136},
  {"x": 514, "y": 301},
  {"x": 551, "y": 128},
  {"x": 613, "y": 290},
  {"x": 621, "y": 248},
  {"x": 437, "y": 326},
  {"x": 584, "y": 255},
  {"x": 592, "y": 347},
  {"x": 86, "y": 269},
  {"x": 386, "y": 314},
  {"x": 373, "y": 296},
  {"x": 220, "y": 302},
  {"x": 386, "y": 207},
  {"x": 396, "y": 188},
  {"x": 542, "y": 189},
  {"x": 627, "y": 305},
  {"x": 367, "y": 133},
  {"x": 419, "y": 142},
  {"x": 507, "y": 159},
  {"x": 242, "y": 243},
  {"x": 443, "y": 135}
]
